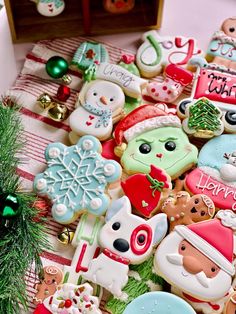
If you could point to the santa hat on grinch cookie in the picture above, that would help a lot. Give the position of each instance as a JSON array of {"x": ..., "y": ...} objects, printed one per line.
[
  {"x": 214, "y": 238},
  {"x": 143, "y": 119}
]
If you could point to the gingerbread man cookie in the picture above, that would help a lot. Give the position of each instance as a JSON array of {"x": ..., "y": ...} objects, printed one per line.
[
  {"x": 52, "y": 277},
  {"x": 182, "y": 209}
]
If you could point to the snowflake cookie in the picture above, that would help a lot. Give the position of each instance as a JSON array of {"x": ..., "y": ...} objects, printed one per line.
[{"x": 76, "y": 178}]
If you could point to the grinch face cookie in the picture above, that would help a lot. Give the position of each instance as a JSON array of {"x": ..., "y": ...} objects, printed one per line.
[
  {"x": 216, "y": 172},
  {"x": 99, "y": 104},
  {"x": 154, "y": 138},
  {"x": 198, "y": 258}
]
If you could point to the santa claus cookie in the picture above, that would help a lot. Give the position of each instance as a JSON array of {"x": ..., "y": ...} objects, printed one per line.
[
  {"x": 150, "y": 136},
  {"x": 99, "y": 105},
  {"x": 198, "y": 258},
  {"x": 215, "y": 175},
  {"x": 176, "y": 79},
  {"x": 181, "y": 209},
  {"x": 145, "y": 191}
]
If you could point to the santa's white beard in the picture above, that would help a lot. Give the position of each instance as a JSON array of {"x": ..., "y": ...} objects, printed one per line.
[{"x": 202, "y": 288}]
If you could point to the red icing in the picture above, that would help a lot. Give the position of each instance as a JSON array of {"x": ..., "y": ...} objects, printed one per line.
[
  {"x": 79, "y": 266},
  {"x": 214, "y": 84},
  {"x": 198, "y": 182},
  {"x": 179, "y": 74},
  {"x": 142, "y": 230},
  {"x": 41, "y": 309},
  {"x": 137, "y": 188},
  {"x": 192, "y": 299},
  {"x": 116, "y": 257},
  {"x": 179, "y": 44},
  {"x": 108, "y": 150},
  {"x": 214, "y": 233}
]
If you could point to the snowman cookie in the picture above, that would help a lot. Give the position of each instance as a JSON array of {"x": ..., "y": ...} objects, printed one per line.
[
  {"x": 100, "y": 103},
  {"x": 50, "y": 8}
]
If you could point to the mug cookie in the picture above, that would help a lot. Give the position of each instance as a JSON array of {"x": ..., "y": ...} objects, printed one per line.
[{"x": 76, "y": 179}]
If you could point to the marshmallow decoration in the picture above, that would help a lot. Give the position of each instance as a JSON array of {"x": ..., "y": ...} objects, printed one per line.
[{"x": 125, "y": 239}]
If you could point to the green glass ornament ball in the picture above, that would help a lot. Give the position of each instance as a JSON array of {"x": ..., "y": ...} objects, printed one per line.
[
  {"x": 9, "y": 205},
  {"x": 56, "y": 67}
]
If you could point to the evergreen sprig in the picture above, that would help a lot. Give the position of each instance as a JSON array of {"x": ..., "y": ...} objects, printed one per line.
[{"x": 24, "y": 238}]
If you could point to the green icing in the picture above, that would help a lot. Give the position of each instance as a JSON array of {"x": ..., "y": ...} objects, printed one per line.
[
  {"x": 89, "y": 238},
  {"x": 135, "y": 287},
  {"x": 156, "y": 46},
  {"x": 175, "y": 162},
  {"x": 131, "y": 104},
  {"x": 131, "y": 67}
]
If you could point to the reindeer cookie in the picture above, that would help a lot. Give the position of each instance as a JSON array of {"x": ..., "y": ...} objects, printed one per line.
[{"x": 182, "y": 209}]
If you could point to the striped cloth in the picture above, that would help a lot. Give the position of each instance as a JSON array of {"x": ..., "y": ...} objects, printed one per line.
[{"x": 41, "y": 131}]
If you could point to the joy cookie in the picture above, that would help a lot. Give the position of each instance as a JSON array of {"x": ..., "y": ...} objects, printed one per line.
[
  {"x": 99, "y": 105},
  {"x": 158, "y": 302},
  {"x": 156, "y": 52},
  {"x": 73, "y": 299},
  {"x": 182, "y": 209},
  {"x": 89, "y": 53},
  {"x": 49, "y": 280},
  {"x": 76, "y": 178},
  {"x": 153, "y": 137},
  {"x": 50, "y": 8},
  {"x": 125, "y": 238},
  {"x": 221, "y": 49},
  {"x": 198, "y": 258},
  {"x": 176, "y": 79},
  {"x": 118, "y": 6},
  {"x": 146, "y": 190},
  {"x": 215, "y": 175}
]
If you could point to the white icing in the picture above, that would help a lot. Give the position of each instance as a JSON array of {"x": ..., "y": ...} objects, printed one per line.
[
  {"x": 214, "y": 173},
  {"x": 109, "y": 170},
  {"x": 49, "y": 9},
  {"x": 228, "y": 218},
  {"x": 150, "y": 124},
  {"x": 54, "y": 152},
  {"x": 228, "y": 172},
  {"x": 87, "y": 145},
  {"x": 41, "y": 184},
  {"x": 135, "y": 275},
  {"x": 95, "y": 203},
  {"x": 60, "y": 209}
]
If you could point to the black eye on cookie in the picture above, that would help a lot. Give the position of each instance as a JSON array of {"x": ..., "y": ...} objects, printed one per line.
[
  {"x": 232, "y": 29},
  {"x": 116, "y": 226},
  {"x": 145, "y": 148},
  {"x": 170, "y": 146}
]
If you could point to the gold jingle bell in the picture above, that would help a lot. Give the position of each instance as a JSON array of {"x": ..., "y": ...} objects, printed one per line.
[
  {"x": 58, "y": 112},
  {"x": 45, "y": 100},
  {"x": 66, "y": 79},
  {"x": 66, "y": 236}
]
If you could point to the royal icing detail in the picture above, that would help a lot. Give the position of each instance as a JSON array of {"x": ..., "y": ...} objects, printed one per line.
[
  {"x": 176, "y": 79},
  {"x": 198, "y": 258},
  {"x": 50, "y": 8},
  {"x": 157, "y": 51},
  {"x": 125, "y": 238},
  {"x": 223, "y": 45},
  {"x": 75, "y": 180},
  {"x": 73, "y": 299},
  {"x": 216, "y": 172},
  {"x": 98, "y": 105},
  {"x": 203, "y": 119},
  {"x": 157, "y": 302},
  {"x": 118, "y": 6},
  {"x": 130, "y": 83},
  {"x": 145, "y": 190},
  {"x": 230, "y": 306},
  {"x": 181, "y": 209},
  {"x": 154, "y": 138},
  {"x": 89, "y": 53}
]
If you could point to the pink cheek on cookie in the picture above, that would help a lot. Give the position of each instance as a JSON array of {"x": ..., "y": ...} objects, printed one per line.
[{"x": 188, "y": 148}]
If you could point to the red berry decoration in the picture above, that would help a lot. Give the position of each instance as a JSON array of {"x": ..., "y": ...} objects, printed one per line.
[
  {"x": 63, "y": 93},
  {"x": 68, "y": 303}
]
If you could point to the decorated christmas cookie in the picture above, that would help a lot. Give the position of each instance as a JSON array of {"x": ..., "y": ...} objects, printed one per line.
[
  {"x": 222, "y": 47},
  {"x": 156, "y": 52},
  {"x": 76, "y": 178},
  {"x": 72, "y": 299},
  {"x": 52, "y": 276},
  {"x": 50, "y": 8},
  {"x": 198, "y": 258},
  {"x": 230, "y": 306},
  {"x": 99, "y": 105},
  {"x": 145, "y": 190},
  {"x": 159, "y": 302},
  {"x": 89, "y": 53},
  {"x": 215, "y": 175},
  {"x": 181, "y": 209},
  {"x": 176, "y": 79},
  {"x": 125, "y": 238},
  {"x": 118, "y": 6},
  {"x": 127, "y": 62},
  {"x": 153, "y": 137},
  {"x": 203, "y": 119}
]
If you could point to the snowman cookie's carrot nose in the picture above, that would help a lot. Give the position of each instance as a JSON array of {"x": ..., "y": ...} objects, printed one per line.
[{"x": 103, "y": 100}]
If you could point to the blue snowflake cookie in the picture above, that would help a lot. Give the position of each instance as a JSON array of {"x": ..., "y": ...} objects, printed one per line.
[{"x": 76, "y": 179}]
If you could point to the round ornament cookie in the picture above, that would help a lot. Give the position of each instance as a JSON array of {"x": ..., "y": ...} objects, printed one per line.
[
  {"x": 150, "y": 136},
  {"x": 50, "y": 8},
  {"x": 159, "y": 302}
]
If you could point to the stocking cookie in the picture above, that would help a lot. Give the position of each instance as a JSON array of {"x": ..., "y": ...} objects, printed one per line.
[
  {"x": 52, "y": 276},
  {"x": 198, "y": 258},
  {"x": 153, "y": 137},
  {"x": 146, "y": 190},
  {"x": 99, "y": 105},
  {"x": 176, "y": 79},
  {"x": 125, "y": 238},
  {"x": 76, "y": 179},
  {"x": 182, "y": 209}
]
